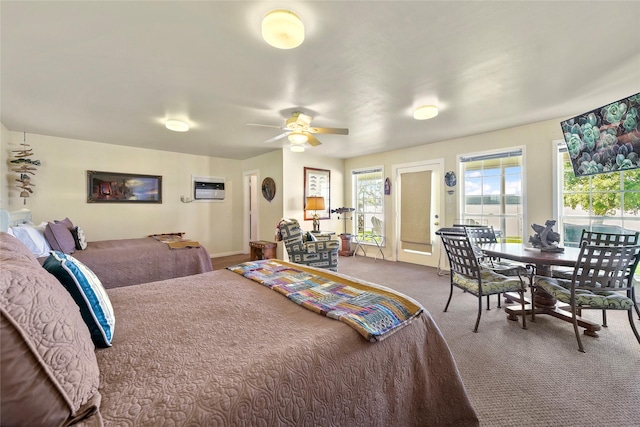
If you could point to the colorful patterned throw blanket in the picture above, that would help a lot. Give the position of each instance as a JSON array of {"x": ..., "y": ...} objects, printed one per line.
[{"x": 375, "y": 312}]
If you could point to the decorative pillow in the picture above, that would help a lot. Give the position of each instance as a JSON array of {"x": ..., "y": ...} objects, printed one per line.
[
  {"x": 49, "y": 371},
  {"x": 60, "y": 238},
  {"x": 86, "y": 289},
  {"x": 66, "y": 222},
  {"x": 79, "y": 237},
  {"x": 33, "y": 238}
]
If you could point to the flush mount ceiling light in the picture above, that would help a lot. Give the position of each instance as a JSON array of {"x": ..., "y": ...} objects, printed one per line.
[
  {"x": 425, "y": 112},
  {"x": 298, "y": 138},
  {"x": 282, "y": 29},
  {"x": 176, "y": 125},
  {"x": 297, "y": 148}
]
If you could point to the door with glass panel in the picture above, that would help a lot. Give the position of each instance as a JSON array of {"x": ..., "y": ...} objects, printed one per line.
[{"x": 419, "y": 193}]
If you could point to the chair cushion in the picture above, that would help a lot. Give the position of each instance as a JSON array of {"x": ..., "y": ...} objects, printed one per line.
[
  {"x": 492, "y": 283},
  {"x": 561, "y": 289}
]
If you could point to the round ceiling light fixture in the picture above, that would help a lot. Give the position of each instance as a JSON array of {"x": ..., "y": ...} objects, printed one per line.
[
  {"x": 282, "y": 29},
  {"x": 176, "y": 125},
  {"x": 297, "y": 148},
  {"x": 298, "y": 138},
  {"x": 425, "y": 112}
]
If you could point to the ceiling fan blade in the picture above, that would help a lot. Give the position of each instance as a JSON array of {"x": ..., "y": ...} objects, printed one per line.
[
  {"x": 336, "y": 131},
  {"x": 312, "y": 140},
  {"x": 275, "y": 138},
  {"x": 266, "y": 126}
]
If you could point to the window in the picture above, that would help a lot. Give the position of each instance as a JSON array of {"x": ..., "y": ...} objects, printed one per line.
[
  {"x": 492, "y": 192},
  {"x": 368, "y": 201},
  {"x": 608, "y": 202}
]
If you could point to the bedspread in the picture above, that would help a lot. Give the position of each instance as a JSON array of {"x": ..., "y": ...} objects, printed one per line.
[
  {"x": 126, "y": 262},
  {"x": 199, "y": 350}
]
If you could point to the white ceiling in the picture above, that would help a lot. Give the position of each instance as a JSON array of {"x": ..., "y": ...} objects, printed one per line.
[{"x": 113, "y": 71}]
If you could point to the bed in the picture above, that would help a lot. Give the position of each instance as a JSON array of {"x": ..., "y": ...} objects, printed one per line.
[
  {"x": 221, "y": 349},
  {"x": 121, "y": 262}
]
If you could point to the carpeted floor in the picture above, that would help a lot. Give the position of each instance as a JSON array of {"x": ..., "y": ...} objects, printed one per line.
[{"x": 533, "y": 377}]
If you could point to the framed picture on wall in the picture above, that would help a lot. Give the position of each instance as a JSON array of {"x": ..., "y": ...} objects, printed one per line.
[
  {"x": 317, "y": 182},
  {"x": 116, "y": 187}
]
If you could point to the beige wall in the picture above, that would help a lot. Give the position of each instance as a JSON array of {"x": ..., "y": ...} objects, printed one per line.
[
  {"x": 61, "y": 185},
  {"x": 60, "y": 191},
  {"x": 536, "y": 139}
]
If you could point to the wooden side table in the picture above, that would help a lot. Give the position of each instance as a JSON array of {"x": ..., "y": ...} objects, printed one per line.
[{"x": 262, "y": 249}]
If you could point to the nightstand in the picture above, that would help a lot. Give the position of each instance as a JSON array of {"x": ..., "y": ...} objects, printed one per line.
[{"x": 262, "y": 249}]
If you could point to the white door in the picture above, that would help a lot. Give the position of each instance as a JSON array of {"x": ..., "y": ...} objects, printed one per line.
[
  {"x": 250, "y": 208},
  {"x": 419, "y": 196}
]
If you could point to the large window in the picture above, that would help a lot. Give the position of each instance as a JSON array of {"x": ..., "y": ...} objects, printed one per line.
[
  {"x": 608, "y": 202},
  {"x": 368, "y": 201},
  {"x": 491, "y": 192}
]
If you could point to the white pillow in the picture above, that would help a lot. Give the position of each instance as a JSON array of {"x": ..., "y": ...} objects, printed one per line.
[{"x": 33, "y": 238}]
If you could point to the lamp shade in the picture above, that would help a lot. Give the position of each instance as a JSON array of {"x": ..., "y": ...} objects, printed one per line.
[
  {"x": 282, "y": 29},
  {"x": 315, "y": 203}
]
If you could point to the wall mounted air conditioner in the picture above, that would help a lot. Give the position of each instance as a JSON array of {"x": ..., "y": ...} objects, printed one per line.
[{"x": 208, "y": 188}]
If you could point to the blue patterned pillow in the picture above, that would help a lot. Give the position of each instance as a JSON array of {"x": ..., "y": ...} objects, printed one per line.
[{"x": 87, "y": 291}]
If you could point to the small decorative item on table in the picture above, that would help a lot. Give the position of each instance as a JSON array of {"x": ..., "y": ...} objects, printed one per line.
[
  {"x": 545, "y": 238},
  {"x": 262, "y": 249}
]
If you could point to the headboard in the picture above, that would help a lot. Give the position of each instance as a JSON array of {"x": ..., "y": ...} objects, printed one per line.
[{"x": 11, "y": 219}]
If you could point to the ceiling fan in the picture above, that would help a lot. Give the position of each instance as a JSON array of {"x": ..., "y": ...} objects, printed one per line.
[{"x": 299, "y": 131}]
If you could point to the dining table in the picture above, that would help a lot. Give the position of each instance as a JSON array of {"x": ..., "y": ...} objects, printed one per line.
[{"x": 543, "y": 262}]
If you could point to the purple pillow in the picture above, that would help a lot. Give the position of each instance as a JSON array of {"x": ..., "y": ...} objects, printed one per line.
[
  {"x": 60, "y": 237},
  {"x": 67, "y": 222}
]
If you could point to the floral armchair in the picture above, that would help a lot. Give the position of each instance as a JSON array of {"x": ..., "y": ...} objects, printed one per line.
[{"x": 321, "y": 253}]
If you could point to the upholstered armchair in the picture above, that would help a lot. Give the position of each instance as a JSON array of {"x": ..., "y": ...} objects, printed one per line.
[{"x": 321, "y": 253}]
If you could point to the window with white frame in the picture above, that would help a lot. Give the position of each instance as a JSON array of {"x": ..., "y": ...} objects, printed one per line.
[
  {"x": 491, "y": 192},
  {"x": 368, "y": 201},
  {"x": 608, "y": 202}
]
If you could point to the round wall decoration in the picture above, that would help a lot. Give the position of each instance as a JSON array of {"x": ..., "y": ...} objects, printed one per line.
[
  {"x": 268, "y": 188},
  {"x": 450, "y": 179}
]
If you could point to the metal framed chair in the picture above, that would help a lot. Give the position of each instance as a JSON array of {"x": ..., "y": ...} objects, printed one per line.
[
  {"x": 467, "y": 275},
  {"x": 599, "y": 281},
  {"x": 479, "y": 235},
  {"x": 606, "y": 239}
]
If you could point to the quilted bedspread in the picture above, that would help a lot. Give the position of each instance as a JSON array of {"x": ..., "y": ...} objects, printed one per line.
[
  {"x": 372, "y": 311},
  {"x": 217, "y": 349}
]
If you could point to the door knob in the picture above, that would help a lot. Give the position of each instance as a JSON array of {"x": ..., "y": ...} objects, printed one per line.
[{"x": 436, "y": 223}]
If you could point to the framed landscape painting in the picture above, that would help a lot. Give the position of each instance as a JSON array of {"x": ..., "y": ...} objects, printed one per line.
[{"x": 116, "y": 187}]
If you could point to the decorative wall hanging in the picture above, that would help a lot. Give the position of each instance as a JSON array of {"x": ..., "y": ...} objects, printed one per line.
[
  {"x": 387, "y": 187},
  {"x": 268, "y": 188},
  {"x": 450, "y": 180},
  {"x": 114, "y": 187},
  {"x": 317, "y": 182},
  {"x": 25, "y": 168}
]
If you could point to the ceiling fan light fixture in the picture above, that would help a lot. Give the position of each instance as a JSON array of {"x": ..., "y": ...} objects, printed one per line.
[
  {"x": 176, "y": 125},
  {"x": 425, "y": 112},
  {"x": 298, "y": 138},
  {"x": 297, "y": 148},
  {"x": 282, "y": 29}
]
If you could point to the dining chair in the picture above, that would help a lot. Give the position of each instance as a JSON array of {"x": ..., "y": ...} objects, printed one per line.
[
  {"x": 467, "y": 275},
  {"x": 479, "y": 235},
  {"x": 606, "y": 239},
  {"x": 599, "y": 281}
]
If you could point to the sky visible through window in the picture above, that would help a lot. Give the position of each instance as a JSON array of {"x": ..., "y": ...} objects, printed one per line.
[{"x": 487, "y": 182}]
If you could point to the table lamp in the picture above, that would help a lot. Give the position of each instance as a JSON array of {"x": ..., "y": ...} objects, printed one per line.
[{"x": 315, "y": 203}]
